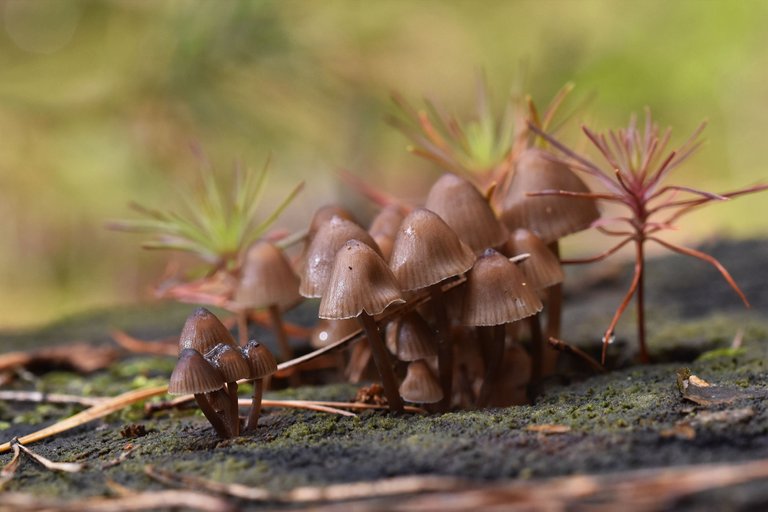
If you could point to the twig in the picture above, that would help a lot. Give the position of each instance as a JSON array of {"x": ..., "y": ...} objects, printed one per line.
[
  {"x": 120, "y": 458},
  {"x": 155, "y": 500},
  {"x": 97, "y": 411},
  {"x": 163, "y": 347},
  {"x": 65, "y": 467},
  {"x": 50, "y": 398},
  {"x": 576, "y": 351},
  {"x": 9, "y": 470}
]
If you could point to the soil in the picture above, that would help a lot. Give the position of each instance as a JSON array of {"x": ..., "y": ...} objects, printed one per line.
[{"x": 633, "y": 417}]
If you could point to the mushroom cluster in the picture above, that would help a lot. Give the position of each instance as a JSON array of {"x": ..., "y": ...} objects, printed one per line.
[
  {"x": 209, "y": 367},
  {"x": 451, "y": 286}
]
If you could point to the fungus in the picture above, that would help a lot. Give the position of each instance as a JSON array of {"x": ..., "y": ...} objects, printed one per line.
[
  {"x": 467, "y": 212},
  {"x": 361, "y": 286},
  {"x": 426, "y": 252},
  {"x": 194, "y": 375},
  {"x": 233, "y": 366},
  {"x": 318, "y": 263},
  {"x": 202, "y": 331},
  {"x": 496, "y": 294},
  {"x": 384, "y": 228},
  {"x": 268, "y": 281},
  {"x": 420, "y": 385},
  {"x": 262, "y": 364},
  {"x": 410, "y": 338}
]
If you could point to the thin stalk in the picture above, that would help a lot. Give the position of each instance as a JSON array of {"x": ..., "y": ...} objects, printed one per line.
[
  {"x": 493, "y": 339},
  {"x": 538, "y": 351},
  {"x": 234, "y": 410},
  {"x": 382, "y": 361},
  {"x": 554, "y": 321},
  {"x": 445, "y": 347},
  {"x": 276, "y": 318},
  {"x": 213, "y": 417},
  {"x": 253, "y": 415},
  {"x": 640, "y": 302}
]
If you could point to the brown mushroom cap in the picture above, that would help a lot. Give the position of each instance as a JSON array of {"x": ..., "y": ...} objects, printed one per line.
[
  {"x": 262, "y": 362},
  {"x": 324, "y": 214},
  {"x": 384, "y": 228},
  {"x": 329, "y": 331},
  {"x": 497, "y": 292},
  {"x": 420, "y": 385},
  {"x": 360, "y": 281},
  {"x": 229, "y": 360},
  {"x": 202, "y": 331},
  {"x": 467, "y": 212},
  {"x": 427, "y": 251},
  {"x": 542, "y": 268},
  {"x": 411, "y": 338},
  {"x": 267, "y": 279},
  {"x": 550, "y": 217},
  {"x": 321, "y": 252},
  {"x": 194, "y": 375}
]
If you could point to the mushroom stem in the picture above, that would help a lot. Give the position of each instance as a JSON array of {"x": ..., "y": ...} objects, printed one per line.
[
  {"x": 282, "y": 340},
  {"x": 234, "y": 410},
  {"x": 255, "y": 412},
  {"x": 492, "y": 338},
  {"x": 538, "y": 351},
  {"x": 382, "y": 361},
  {"x": 445, "y": 346},
  {"x": 554, "y": 318},
  {"x": 242, "y": 326},
  {"x": 213, "y": 417}
]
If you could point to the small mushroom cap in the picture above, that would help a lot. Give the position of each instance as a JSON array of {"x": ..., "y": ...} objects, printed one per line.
[
  {"x": 542, "y": 269},
  {"x": 321, "y": 252},
  {"x": 410, "y": 338},
  {"x": 420, "y": 385},
  {"x": 262, "y": 362},
  {"x": 202, "y": 331},
  {"x": 467, "y": 212},
  {"x": 387, "y": 221},
  {"x": 324, "y": 214},
  {"x": 267, "y": 279},
  {"x": 497, "y": 292},
  {"x": 229, "y": 360},
  {"x": 330, "y": 331},
  {"x": 194, "y": 375},
  {"x": 550, "y": 217},
  {"x": 360, "y": 282},
  {"x": 427, "y": 251}
]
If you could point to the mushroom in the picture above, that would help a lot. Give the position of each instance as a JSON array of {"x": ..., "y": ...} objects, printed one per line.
[
  {"x": 194, "y": 375},
  {"x": 268, "y": 281},
  {"x": 410, "y": 338},
  {"x": 420, "y": 385},
  {"x": 262, "y": 364},
  {"x": 384, "y": 228},
  {"x": 496, "y": 294},
  {"x": 361, "y": 286},
  {"x": 427, "y": 252},
  {"x": 543, "y": 270},
  {"x": 233, "y": 366},
  {"x": 467, "y": 212},
  {"x": 202, "y": 331},
  {"x": 551, "y": 217},
  {"x": 321, "y": 252}
]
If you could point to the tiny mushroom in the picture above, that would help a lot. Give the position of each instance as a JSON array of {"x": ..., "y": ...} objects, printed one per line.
[
  {"x": 194, "y": 375},
  {"x": 496, "y": 294},
  {"x": 361, "y": 286},
  {"x": 202, "y": 331},
  {"x": 233, "y": 366},
  {"x": 262, "y": 364},
  {"x": 420, "y": 385}
]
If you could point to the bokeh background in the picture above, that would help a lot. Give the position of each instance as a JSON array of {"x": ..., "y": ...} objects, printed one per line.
[{"x": 101, "y": 100}]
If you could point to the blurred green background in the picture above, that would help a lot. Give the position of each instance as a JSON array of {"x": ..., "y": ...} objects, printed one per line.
[{"x": 101, "y": 100}]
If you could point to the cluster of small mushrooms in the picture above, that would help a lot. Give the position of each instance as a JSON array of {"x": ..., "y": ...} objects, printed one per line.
[{"x": 440, "y": 291}]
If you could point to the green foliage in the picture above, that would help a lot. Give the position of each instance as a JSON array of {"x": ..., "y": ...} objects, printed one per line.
[{"x": 215, "y": 225}]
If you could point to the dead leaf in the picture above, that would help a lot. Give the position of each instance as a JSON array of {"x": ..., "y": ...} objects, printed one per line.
[
  {"x": 548, "y": 429},
  {"x": 81, "y": 357},
  {"x": 701, "y": 392}
]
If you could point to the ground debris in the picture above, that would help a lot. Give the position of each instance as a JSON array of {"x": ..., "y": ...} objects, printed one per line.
[
  {"x": 373, "y": 394},
  {"x": 548, "y": 429},
  {"x": 701, "y": 392},
  {"x": 133, "y": 430},
  {"x": 80, "y": 357}
]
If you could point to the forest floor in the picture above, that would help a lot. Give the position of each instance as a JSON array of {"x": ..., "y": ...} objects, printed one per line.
[{"x": 588, "y": 441}]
